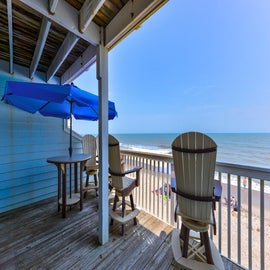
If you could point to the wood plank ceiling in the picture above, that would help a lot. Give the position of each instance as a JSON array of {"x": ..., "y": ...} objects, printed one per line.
[{"x": 59, "y": 37}]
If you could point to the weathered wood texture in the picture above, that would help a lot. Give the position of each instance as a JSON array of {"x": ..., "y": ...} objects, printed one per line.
[
  {"x": 36, "y": 237},
  {"x": 26, "y": 27}
]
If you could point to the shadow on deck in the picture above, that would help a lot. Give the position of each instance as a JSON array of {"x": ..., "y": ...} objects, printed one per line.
[{"x": 36, "y": 237}]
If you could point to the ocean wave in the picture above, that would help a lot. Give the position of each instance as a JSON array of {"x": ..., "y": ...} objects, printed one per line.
[
  {"x": 146, "y": 149},
  {"x": 240, "y": 148}
]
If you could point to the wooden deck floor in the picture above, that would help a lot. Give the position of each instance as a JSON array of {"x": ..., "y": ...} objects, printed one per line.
[{"x": 37, "y": 237}]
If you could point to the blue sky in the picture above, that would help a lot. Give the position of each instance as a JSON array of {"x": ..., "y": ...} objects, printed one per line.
[{"x": 194, "y": 65}]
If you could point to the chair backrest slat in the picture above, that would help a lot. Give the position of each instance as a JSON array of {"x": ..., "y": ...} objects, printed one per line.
[
  {"x": 115, "y": 162},
  {"x": 194, "y": 172},
  {"x": 89, "y": 147}
]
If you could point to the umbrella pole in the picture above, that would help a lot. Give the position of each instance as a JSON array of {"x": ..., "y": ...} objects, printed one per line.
[
  {"x": 70, "y": 136},
  {"x": 70, "y": 128},
  {"x": 70, "y": 154},
  {"x": 70, "y": 149}
]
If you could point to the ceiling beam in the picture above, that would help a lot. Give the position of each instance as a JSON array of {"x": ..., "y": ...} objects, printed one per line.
[
  {"x": 83, "y": 62},
  {"x": 52, "y": 6},
  {"x": 42, "y": 37},
  {"x": 88, "y": 12},
  {"x": 130, "y": 17},
  {"x": 62, "y": 53},
  {"x": 10, "y": 33},
  {"x": 66, "y": 16}
]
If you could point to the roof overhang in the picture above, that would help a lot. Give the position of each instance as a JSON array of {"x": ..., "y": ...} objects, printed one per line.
[{"x": 60, "y": 37}]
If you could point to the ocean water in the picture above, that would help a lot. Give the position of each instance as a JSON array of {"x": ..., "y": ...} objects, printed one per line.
[{"x": 251, "y": 149}]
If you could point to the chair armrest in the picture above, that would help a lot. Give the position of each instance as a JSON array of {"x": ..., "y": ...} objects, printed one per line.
[{"x": 136, "y": 169}]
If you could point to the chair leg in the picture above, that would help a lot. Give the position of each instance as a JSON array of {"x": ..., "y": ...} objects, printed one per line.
[
  {"x": 206, "y": 242},
  {"x": 184, "y": 235},
  {"x": 86, "y": 184},
  {"x": 123, "y": 214},
  {"x": 116, "y": 199},
  {"x": 133, "y": 208},
  {"x": 114, "y": 206},
  {"x": 87, "y": 180},
  {"x": 201, "y": 237},
  {"x": 96, "y": 183}
]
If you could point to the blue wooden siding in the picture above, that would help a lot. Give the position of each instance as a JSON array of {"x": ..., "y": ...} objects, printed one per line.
[{"x": 26, "y": 141}]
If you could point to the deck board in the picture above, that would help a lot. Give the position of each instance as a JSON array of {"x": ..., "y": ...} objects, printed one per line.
[{"x": 37, "y": 237}]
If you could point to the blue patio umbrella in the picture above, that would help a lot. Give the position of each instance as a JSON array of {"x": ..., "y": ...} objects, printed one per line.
[{"x": 61, "y": 101}]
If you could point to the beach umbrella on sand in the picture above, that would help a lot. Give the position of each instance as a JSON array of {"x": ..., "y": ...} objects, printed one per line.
[{"x": 61, "y": 101}]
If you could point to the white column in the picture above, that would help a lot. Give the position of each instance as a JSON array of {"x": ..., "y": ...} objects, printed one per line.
[{"x": 102, "y": 77}]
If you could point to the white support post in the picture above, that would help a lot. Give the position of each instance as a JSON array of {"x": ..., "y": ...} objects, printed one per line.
[{"x": 102, "y": 77}]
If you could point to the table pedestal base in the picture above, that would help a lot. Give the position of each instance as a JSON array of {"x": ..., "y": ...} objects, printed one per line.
[{"x": 74, "y": 199}]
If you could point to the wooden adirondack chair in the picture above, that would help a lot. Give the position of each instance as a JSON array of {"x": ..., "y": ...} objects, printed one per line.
[
  {"x": 91, "y": 166},
  {"x": 122, "y": 210},
  {"x": 194, "y": 156}
]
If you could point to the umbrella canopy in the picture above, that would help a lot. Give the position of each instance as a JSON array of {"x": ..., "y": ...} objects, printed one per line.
[{"x": 61, "y": 101}]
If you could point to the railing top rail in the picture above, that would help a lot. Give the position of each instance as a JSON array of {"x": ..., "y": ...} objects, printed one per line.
[
  {"x": 162, "y": 157},
  {"x": 235, "y": 169},
  {"x": 243, "y": 170}
]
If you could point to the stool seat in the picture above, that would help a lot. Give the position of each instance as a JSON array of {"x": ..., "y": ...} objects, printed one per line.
[
  {"x": 122, "y": 210},
  {"x": 194, "y": 160}
]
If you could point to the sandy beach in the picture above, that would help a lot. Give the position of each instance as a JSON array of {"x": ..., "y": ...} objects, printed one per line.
[
  {"x": 152, "y": 182},
  {"x": 244, "y": 229},
  {"x": 256, "y": 253}
]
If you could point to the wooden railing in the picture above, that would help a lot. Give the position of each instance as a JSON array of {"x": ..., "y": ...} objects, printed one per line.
[{"x": 241, "y": 231}]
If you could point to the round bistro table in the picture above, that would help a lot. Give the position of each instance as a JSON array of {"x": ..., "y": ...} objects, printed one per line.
[{"x": 61, "y": 163}]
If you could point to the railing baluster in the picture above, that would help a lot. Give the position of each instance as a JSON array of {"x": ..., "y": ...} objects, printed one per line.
[
  {"x": 146, "y": 185},
  {"x": 229, "y": 215},
  {"x": 152, "y": 184},
  {"x": 262, "y": 222},
  {"x": 157, "y": 171},
  {"x": 168, "y": 193},
  {"x": 149, "y": 183},
  {"x": 161, "y": 197},
  {"x": 239, "y": 218},
  {"x": 249, "y": 223},
  {"x": 143, "y": 183},
  {"x": 172, "y": 206},
  {"x": 157, "y": 187},
  {"x": 219, "y": 219}
]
